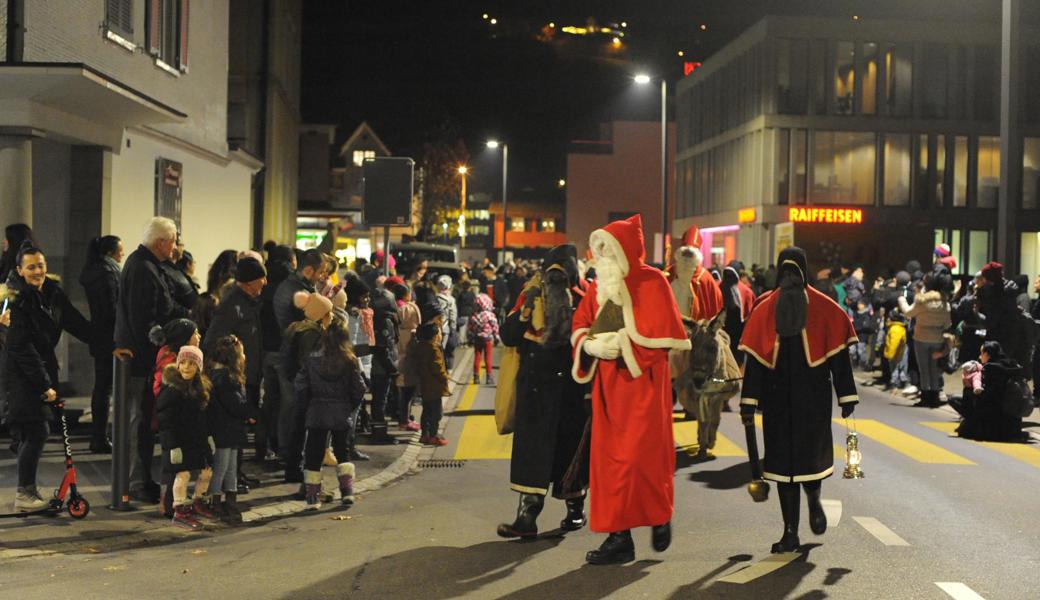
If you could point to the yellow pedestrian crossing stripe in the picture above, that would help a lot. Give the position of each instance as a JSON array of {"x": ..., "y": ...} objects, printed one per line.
[
  {"x": 685, "y": 433},
  {"x": 904, "y": 443},
  {"x": 480, "y": 439},
  {"x": 1023, "y": 452},
  {"x": 468, "y": 397}
]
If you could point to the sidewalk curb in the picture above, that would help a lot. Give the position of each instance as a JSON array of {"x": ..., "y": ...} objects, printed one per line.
[{"x": 405, "y": 464}]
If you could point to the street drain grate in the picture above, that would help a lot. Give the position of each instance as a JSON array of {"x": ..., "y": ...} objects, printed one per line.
[{"x": 441, "y": 464}]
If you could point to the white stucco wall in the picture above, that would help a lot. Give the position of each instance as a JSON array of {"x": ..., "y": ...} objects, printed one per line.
[{"x": 215, "y": 208}]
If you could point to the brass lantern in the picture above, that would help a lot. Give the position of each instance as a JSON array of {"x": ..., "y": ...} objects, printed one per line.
[{"x": 853, "y": 457}]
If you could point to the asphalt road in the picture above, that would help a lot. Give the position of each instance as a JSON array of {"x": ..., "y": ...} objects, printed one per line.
[{"x": 932, "y": 510}]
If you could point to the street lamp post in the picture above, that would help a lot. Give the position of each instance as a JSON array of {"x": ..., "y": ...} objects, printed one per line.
[
  {"x": 505, "y": 191},
  {"x": 462, "y": 208},
  {"x": 643, "y": 79}
]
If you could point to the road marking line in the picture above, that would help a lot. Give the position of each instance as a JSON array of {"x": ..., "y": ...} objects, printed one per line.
[
  {"x": 685, "y": 434},
  {"x": 839, "y": 450},
  {"x": 877, "y": 529},
  {"x": 468, "y": 397},
  {"x": 1023, "y": 452},
  {"x": 480, "y": 440},
  {"x": 763, "y": 567},
  {"x": 958, "y": 591},
  {"x": 832, "y": 508},
  {"x": 904, "y": 443}
]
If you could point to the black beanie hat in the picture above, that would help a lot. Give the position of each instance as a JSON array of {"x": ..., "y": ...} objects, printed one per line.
[
  {"x": 356, "y": 289},
  {"x": 249, "y": 269},
  {"x": 174, "y": 334}
]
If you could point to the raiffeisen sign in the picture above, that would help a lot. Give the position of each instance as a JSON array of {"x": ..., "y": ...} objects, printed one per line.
[{"x": 813, "y": 214}]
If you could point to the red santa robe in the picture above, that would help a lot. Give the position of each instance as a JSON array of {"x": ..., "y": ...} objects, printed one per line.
[
  {"x": 702, "y": 301},
  {"x": 632, "y": 451}
]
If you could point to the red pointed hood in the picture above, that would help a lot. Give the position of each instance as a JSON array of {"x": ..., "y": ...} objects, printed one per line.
[
  {"x": 692, "y": 237},
  {"x": 652, "y": 318}
]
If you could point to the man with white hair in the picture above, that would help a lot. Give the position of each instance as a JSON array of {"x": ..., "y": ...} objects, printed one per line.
[
  {"x": 623, "y": 331},
  {"x": 145, "y": 301}
]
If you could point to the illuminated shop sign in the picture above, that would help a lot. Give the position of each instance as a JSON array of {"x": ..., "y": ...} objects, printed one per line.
[
  {"x": 806, "y": 214},
  {"x": 747, "y": 215}
]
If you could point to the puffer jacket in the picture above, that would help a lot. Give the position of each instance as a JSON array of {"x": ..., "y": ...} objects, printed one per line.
[
  {"x": 483, "y": 325},
  {"x": 931, "y": 314},
  {"x": 227, "y": 411},
  {"x": 895, "y": 341},
  {"x": 100, "y": 280},
  {"x": 182, "y": 424},
  {"x": 328, "y": 398}
]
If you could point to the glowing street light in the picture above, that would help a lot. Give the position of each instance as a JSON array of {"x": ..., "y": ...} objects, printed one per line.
[
  {"x": 485, "y": 16},
  {"x": 642, "y": 79},
  {"x": 492, "y": 144},
  {"x": 494, "y": 21},
  {"x": 681, "y": 53},
  {"x": 561, "y": 183},
  {"x": 463, "y": 170}
]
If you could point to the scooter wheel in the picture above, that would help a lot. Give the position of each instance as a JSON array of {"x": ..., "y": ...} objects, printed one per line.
[{"x": 78, "y": 508}]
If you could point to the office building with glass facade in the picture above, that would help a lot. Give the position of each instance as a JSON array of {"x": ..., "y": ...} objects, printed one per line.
[{"x": 863, "y": 142}]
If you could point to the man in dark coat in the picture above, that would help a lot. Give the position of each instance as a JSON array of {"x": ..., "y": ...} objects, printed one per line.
[
  {"x": 281, "y": 263},
  {"x": 797, "y": 342},
  {"x": 550, "y": 405},
  {"x": 145, "y": 300},
  {"x": 39, "y": 313},
  {"x": 239, "y": 315},
  {"x": 1005, "y": 322},
  {"x": 309, "y": 271}
]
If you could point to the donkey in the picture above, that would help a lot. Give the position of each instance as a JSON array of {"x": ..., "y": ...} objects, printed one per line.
[{"x": 711, "y": 377}]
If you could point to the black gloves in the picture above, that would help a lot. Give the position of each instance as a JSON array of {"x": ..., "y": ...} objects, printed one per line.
[{"x": 846, "y": 410}]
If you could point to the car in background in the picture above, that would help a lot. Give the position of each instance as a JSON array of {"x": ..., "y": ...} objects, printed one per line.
[{"x": 440, "y": 259}]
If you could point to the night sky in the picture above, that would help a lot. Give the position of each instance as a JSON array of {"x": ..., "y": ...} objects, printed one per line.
[{"x": 424, "y": 70}]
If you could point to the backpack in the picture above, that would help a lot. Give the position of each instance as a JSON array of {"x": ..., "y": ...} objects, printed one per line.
[{"x": 1018, "y": 398}]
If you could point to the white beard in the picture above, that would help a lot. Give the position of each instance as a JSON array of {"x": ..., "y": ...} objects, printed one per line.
[{"x": 608, "y": 281}]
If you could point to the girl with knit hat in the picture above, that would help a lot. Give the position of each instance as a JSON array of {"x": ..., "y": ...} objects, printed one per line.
[
  {"x": 183, "y": 434},
  {"x": 170, "y": 338}
]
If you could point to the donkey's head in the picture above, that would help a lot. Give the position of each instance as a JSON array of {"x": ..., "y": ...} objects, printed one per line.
[{"x": 704, "y": 355}]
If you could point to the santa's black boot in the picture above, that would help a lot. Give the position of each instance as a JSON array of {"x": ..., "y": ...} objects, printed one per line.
[
  {"x": 575, "y": 518},
  {"x": 817, "y": 517},
  {"x": 525, "y": 525},
  {"x": 616, "y": 549},
  {"x": 789, "y": 497}
]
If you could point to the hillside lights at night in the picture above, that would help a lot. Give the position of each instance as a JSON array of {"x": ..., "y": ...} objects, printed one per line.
[
  {"x": 494, "y": 21},
  {"x": 616, "y": 41},
  {"x": 681, "y": 53},
  {"x": 561, "y": 183}
]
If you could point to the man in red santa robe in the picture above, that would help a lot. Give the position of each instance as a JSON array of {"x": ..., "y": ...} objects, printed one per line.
[
  {"x": 696, "y": 291},
  {"x": 623, "y": 330}
]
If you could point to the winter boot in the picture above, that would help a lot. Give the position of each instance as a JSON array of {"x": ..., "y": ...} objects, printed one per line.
[
  {"x": 27, "y": 499},
  {"x": 215, "y": 506},
  {"x": 345, "y": 474},
  {"x": 312, "y": 483},
  {"x": 817, "y": 517},
  {"x": 527, "y": 512},
  {"x": 232, "y": 513},
  {"x": 575, "y": 518},
  {"x": 789, "y": 497},
  {"x": 476, "y": 379},
  {"x": 184, "y": 518},
  {"x": 488, "y": 380},
  {"x": 202, "y": 508},
  {"x": 166, "y": 502},
  {"x": 616, "y": 549}
]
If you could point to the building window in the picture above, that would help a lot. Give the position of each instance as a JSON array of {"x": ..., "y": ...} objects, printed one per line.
[
  {"x": 899, "y": 79},
  {"x": 799, "y": 168},
  {"x": 988, "y": 184},
  {"x": 843, "y": 167},
  {"x": 361, "y": 155},
  {"x": 818, "y": 76},
  {"x": 960, "y": 171},
  {"x": 791, "y": 71},
  {"x": 921, "y": 174},
  {"x": 547, "y": 225},
  {"x": 897, "y": 170},
  {"x": 938, "y": 192},
  {"x": 1031, "y": 173},
  {"x": 869, "y": 78},
  {"x": 933, "y": 81},
  {"x": 119, "y": 18},
  {"x": 987, "y": 82},
  {"x": 978, "y": 250},
  {"x": 167, "y": 32},
  {"x": 844, "y": 77},
  {"x": 517, "y": 224},
  {"x": 783, "y": 166}
]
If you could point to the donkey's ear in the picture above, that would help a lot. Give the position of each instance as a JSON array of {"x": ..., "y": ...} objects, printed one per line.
[{"x": 717, "y": 323}]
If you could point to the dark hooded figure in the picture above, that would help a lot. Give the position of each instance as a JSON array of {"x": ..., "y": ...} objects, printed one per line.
[
  {"x": 734, "y": 309},
  {"x": 550, "y": 406},
  {"x": 797, "y": 340}
]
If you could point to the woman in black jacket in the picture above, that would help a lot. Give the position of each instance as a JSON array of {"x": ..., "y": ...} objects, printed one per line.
[
  {"x": 329, "y": 388},
  {"x": 100, "y": 281},
  {"x": 40, "y": 311},
  {"x": 985, "y": 416}
]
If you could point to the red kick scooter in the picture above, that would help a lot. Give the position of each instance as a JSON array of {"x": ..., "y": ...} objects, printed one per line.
[{"x": 66, "y": 494}]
